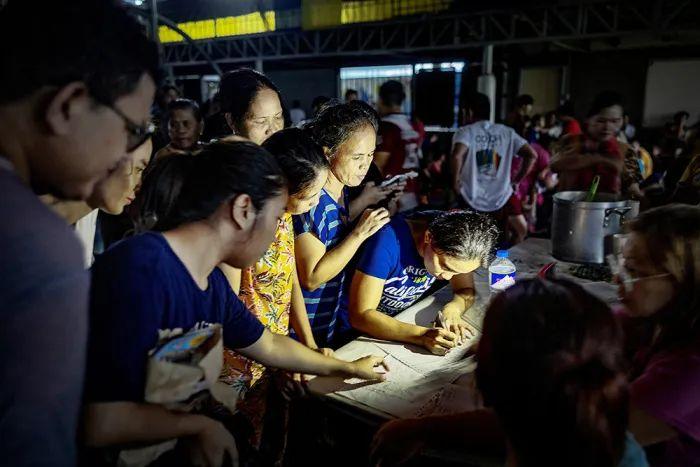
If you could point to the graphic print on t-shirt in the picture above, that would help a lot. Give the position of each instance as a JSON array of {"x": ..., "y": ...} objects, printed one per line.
[
  {"x": 404, "y": 290},
  {"x": 487, "y": 162}
]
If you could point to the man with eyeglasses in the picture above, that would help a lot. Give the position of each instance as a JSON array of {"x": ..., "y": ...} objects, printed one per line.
[{"x": 76, "y": 86}]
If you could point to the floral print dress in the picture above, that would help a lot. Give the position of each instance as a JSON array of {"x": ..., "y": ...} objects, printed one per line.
[{"x": 266, "y": 290}]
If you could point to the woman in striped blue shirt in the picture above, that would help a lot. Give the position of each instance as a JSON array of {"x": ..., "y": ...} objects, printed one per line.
[{"x": 326, "y": 241}]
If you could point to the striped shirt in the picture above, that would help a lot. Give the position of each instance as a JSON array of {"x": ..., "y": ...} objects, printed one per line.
[{"x": 328, "y": 222}]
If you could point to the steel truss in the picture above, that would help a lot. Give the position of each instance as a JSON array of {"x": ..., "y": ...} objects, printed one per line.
[{"x": 593, "y": 20}]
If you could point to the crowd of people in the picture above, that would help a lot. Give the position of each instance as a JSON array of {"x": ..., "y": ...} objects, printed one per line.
[{"x": 129, "y": 225}]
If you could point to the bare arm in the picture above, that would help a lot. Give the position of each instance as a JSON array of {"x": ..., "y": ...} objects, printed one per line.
[
  {"x": 459, "y": 153},
  {"x": 298, "y": 317},
  {"x": 278, "y": 351},
  {"x": 464, "y": 296},
  {"x": 317, "y": 266},
  {"x": 529, "y": 158},
  {"x": 365, "y": 294},
  {"x": 115, "y": 423}
]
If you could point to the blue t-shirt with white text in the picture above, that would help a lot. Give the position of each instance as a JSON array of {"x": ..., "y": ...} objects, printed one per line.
[{"x": 391, "y": 254}]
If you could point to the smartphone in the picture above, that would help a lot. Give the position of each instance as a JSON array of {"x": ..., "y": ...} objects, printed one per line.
[{"x": 399, "y": 178}]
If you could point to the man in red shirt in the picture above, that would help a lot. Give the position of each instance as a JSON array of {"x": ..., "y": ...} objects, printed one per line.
[
  {"x": 400, "y": 140},
  {"x": 579, "y": 158}
]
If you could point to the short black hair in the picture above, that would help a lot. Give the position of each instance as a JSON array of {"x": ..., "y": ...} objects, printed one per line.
[
  {"x": 524, "y": 99},
  {"x": 299, "y": 157},
  {"x": 238, "y": 88},
  {"x": 604, "y": 100},
  {"x": 319, "y": 101},
  {"x": 350, "y": 92},
  {"x": 678, "y": 116},
  {"x": 181, "y": 189},
  {"x": 335, "y": 123},
  {"x": 480, "y": 105},
  {"x": 185, "y": 104},
  {"x": 55, "y": 43},
  {"x": 392, "y": 93},
  {"x": 163, "y": 91},
  {"x": 465, "y": 235}
]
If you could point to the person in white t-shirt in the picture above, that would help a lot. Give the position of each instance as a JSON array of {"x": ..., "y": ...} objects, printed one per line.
[{"x": 482, "y": 155}]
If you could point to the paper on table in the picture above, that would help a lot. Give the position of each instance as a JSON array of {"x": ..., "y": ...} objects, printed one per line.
[
  {"x": 449, "y": 400},
  {"x": 422, "y": 361},
  {"x": 403, "y": 391}
]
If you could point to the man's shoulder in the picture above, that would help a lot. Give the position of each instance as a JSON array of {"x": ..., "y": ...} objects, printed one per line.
[{"x": 31, "y": 230}]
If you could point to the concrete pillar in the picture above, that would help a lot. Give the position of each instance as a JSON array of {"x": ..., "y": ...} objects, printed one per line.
[
  {"x": 259, "y": 65},
  {"x": 486, "y": 83}
]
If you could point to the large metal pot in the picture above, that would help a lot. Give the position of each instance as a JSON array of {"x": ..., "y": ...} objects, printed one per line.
[{"x": 582, "y": 231}]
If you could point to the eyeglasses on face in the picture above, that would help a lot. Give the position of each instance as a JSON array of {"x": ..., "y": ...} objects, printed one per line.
[
  {"x": 617, "y": 266},
  {"x": 137, "y": 133}
]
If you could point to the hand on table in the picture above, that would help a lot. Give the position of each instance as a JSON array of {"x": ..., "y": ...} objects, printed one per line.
[
  {"x": 325, "y": 351},
  {"x": 438, "y": 340},
  {"x": 366, "y": 368},
  {"x": 452, "y": 321},
  {"x": 396, "y": 442}
]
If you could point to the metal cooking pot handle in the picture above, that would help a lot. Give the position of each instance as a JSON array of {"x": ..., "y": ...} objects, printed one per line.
[{"x": 619, "y": 211}]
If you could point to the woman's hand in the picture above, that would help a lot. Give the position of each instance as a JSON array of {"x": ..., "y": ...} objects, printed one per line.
[
  {"x": 438, "y": 340},
  {"x": 370, "y": 222},
  {"x": 397, "y": 442},
  {"x": 212, "y": 445},
  {"x": 366, "y": 368},
  {"x": 373, "y": 193},
  {"x": 325, "y": 351},
  {"x": 451, "y": 319}
]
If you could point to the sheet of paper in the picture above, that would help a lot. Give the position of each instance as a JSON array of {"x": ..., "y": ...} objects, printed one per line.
[
  {"x": 403, "y": 391},
  {"x": 421, "y": 360},
  {"x": 450, "y": 399}
]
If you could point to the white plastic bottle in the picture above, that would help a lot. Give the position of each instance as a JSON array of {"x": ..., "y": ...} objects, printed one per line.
[{"x": 501, "y": 272}]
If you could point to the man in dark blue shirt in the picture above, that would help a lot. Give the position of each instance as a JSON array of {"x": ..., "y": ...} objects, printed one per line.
[{"x": 75, "y": 90}]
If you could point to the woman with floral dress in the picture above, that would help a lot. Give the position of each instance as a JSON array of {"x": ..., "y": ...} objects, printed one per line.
[{"x": 270, "y": 289}]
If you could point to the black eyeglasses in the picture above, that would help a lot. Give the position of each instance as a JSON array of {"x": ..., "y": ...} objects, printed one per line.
[{"x": 137, "y": 134}]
